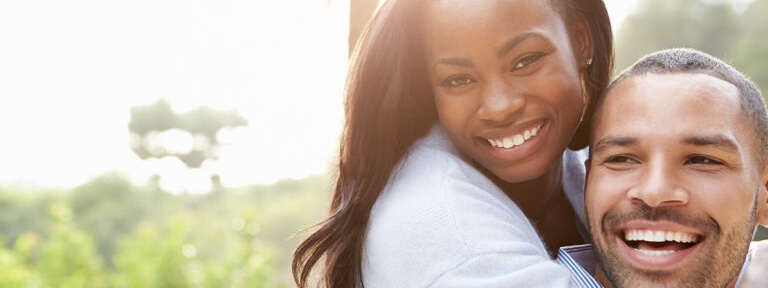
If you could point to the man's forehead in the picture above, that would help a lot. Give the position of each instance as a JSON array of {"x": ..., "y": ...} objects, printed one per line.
[
  {"x": 689, "y": 83},
  {"x": 676, "y": 105},
  {"x": 666, "y": 95}
]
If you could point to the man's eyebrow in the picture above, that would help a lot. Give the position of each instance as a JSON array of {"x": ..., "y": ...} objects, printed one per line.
[
  {"x": 607, "y": 142},
  {"x": 720, "y": 141},
  {"x": 509, "y": 45}
]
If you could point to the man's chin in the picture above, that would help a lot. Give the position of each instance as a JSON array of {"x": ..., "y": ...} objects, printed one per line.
[{"x": 633, "y": 267}]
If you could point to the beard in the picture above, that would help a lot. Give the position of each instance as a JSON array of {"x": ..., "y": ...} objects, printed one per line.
[{"x": 716, "y": 262}]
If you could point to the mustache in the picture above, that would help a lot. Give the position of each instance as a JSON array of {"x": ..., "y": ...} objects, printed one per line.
[{"x": 644, "y": 212}]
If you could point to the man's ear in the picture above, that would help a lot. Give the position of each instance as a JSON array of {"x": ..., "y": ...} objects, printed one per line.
[{"x": 762, "y": 198}]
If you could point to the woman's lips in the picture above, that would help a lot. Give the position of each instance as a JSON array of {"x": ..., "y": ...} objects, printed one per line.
[{"x": 516, "y": 139}]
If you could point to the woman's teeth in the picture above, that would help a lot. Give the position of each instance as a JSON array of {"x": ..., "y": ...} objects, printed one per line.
[{"x": 515, "y": 140}]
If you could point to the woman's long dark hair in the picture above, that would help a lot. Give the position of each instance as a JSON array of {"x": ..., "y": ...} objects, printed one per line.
[
  {"x": 598, "y": 74},
  {"x": 388, "y": 106}
]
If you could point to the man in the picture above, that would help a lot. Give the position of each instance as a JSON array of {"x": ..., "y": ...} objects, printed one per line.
[{"x": 677, "y": 174}]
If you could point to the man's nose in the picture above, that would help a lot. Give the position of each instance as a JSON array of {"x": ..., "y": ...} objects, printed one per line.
[
  {"x": 659, "y": 186},
  {"x": 500, "y": 101}
]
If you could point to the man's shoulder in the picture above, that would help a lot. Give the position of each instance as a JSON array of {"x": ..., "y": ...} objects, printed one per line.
[{"x": 581, "y": 261}]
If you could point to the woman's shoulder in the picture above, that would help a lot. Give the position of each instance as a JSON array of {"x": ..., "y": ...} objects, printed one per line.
[
  {"x": 434, "y": 178},
  {"x": 438, "y": 214}
]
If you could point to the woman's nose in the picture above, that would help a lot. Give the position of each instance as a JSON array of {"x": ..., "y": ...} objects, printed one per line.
[{"x": 500, "y": 101}]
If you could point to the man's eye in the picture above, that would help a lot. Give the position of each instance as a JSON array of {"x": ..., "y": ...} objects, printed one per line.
[
  {"x": 703, "y": 160},
  {"x": 457, "y": 81},
  {"x": 527, "y": 60},
  {"x": 620, "y": 160}
]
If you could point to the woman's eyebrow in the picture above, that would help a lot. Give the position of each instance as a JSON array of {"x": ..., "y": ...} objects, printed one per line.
[
  {"x": 514, "y": 41},
  {"x": 454, "y": 62},
  {"x": 508, "y": 46}
]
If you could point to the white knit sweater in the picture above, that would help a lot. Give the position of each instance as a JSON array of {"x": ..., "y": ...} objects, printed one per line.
[{"x": 441, "y": 223}]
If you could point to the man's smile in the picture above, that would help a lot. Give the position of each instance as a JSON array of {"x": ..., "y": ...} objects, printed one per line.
[
  {"x": 659, "y": 242},
  {"x": 651, "y": 247}
]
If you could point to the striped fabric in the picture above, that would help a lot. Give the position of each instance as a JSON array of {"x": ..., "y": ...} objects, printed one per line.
[{"x": 580, "y": 260}]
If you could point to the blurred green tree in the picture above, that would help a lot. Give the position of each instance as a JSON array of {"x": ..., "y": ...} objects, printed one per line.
[
  {"x": 68, "y": 257},
  {"x": 154, "y": 257},
  {"x": 761, "y": 233},
  {"x": 200, "y": 128},
  {"x": 718, "y": 27},
  {"x": 24, "y": 211},
  {"x": 14, "y": 266},
  {"x": 710, "y": 26},
  {"x": 110, "y": 207},
  {"x": 241, "y": 239},
  {"x": 751, "y": 50}
]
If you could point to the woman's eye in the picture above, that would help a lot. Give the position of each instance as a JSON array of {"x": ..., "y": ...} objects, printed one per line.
[
  {"x": 457, "y": 81},
  {"x": 703, "y": 160},
  {"x": 527, "y": 60}
]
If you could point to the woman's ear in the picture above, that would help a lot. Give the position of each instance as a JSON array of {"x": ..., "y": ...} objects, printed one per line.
[{"x": 581, "y": 40}]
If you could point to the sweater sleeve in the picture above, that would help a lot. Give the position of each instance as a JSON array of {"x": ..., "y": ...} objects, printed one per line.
[
  {"x": 441, "y": 223},
  {"x": 512, "y": 269}
]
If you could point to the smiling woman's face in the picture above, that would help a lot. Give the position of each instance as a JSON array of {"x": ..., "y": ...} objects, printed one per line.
[{"x": 506, "y": 82}]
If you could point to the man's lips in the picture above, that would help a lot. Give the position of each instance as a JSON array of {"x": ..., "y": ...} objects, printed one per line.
[{"x": 655, "y": 248}]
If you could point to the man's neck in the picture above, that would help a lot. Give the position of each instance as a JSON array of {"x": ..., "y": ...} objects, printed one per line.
[{"x": 603, "y": 279}]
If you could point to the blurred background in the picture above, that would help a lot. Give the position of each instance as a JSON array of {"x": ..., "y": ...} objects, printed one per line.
[{"x": 187, "y": 143}]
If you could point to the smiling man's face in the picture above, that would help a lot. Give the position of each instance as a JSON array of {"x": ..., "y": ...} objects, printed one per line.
[{"x": 672, "y": 182}]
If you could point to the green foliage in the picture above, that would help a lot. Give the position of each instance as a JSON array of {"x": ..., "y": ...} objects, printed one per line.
[
  {"x": 25, "y": 211},
  {"x": 111, "y": 233},
  {"x": 203, "y": 124},
  {"x": 156, "y": 117},
  {"x": 710, "y": 26},
  {"x": 751, "y": 49},
  {"x": 761, "y": 234},
  {"x": 68, "y": 258},
  {"x": 15, "y": 272},
  {"x": 713, "y": 26},
  {"x": 152, "y": 258},
  {"x": 109, "y": 207}
]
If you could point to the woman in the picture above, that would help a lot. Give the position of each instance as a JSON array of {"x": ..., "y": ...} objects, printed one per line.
[{"x": 496, "y": 91}]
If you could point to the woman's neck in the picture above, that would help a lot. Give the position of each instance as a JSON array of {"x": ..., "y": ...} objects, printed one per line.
[
  {"x": 544, "y": 202},
  {"x": 534, "y": 196}
]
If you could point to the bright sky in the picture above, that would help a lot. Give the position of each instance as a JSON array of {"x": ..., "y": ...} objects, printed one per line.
[{"x": 71, "y": 70}]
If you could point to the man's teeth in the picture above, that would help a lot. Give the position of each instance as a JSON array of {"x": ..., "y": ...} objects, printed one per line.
[
  {"x": 659, "y": 236},
  {"x": 515, "y": 140},
  {"x": 655, "y": 252}
]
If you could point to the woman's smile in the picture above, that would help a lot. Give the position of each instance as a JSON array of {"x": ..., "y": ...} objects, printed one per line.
[
  {"x": 501, "y": 82},
  {"x": 515, "y": 140}
]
